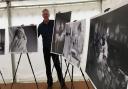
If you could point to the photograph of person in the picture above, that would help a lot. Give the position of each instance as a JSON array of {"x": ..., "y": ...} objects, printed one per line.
[
  {"x": 59, "y": 32},
  {"x": 77, "y": 43},
  {"x": 59, "y": 36},
  {"x": 19, "y": 42},
  {"x": 20, "y": 38},
  {"x": 107, "y": 64},
  {"x": 74, "y": 42},
  {"x": 67, "y": 40}
]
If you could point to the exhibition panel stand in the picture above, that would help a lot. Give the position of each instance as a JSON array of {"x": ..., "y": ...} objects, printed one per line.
[
  {"x": 67, "y": 71},
  {"x": 31, "y": 69},
  {"x": 72, "y": 86},
  {"x": 72, "y": 74}
]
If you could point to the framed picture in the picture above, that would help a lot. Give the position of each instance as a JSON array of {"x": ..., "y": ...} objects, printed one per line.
[
  {"x": 107, "y": 62},
  {"x": 2, "y": 41},
  {"x": 74, "y": 42},
  {"x": 23, "y": 39},
  {"x": 59, "y": 32}
]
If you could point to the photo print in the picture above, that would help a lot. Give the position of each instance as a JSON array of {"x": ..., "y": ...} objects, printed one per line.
[
  {"x": 23, "y": 39},
  {"x": 74, "y": 42},
  {"x": 59, "y": 32},
  {"x": 107, "y": 62},
  {"x": 2, "y": 41}
]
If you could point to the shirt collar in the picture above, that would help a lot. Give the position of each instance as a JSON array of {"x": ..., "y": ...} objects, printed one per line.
[{"x": 47, "y": 22}]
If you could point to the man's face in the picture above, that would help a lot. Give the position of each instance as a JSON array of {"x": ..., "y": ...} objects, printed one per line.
[{"x": 45, "y": 15}]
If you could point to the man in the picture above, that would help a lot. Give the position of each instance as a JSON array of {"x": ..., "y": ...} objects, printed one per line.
[{"x": 46, "y": 30}]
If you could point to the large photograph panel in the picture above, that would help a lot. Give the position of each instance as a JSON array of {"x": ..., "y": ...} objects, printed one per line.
[
  {"x": 59, "y": 32},
  {"x": 107, "y": 62},
  {"x": 2, "y": 41},
  {"x": 23, "y": 39},
  {"x": 74, "y": 42}
]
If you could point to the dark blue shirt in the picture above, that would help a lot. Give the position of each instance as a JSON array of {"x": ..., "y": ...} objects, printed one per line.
[{"x": 46, "y": 30}]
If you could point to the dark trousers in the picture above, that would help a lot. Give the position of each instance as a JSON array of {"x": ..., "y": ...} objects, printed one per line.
[{"x": 47, "y": 59}]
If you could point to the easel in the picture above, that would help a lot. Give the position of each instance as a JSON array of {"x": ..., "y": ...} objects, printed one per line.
[
  {"x": 61, "y": 68},
  {"x": 2, "y": 78},
  {"x": 72, "y": 86},
  {"x": 31, "y": 69},
  {"x": 67, "y": 65},
  {"x": 67, "y": 71}
]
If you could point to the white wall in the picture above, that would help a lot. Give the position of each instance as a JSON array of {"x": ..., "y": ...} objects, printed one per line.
[
  {"x": 5, "y": 60},
  {"x": 32, "y": 15},
  {"x": 28, "y": 16}
]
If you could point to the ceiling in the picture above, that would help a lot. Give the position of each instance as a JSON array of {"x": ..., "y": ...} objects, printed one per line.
[
  {"x": 50, "y": 0},
  {"x": 10, "y": 0},
  {"x": 17, "y": 3}
]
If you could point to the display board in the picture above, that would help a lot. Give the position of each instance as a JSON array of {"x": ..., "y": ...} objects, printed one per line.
[
  {"x": 2, "y": 41},
  {"x": 23, "y": 39},
  {"x": 107, "y": 61},
  {"x": 74, "y": 42},
  {"x": 59, "y": 31}
]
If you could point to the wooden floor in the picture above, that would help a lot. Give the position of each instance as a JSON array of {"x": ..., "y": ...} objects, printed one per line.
[{"x": 77, "y": 85}]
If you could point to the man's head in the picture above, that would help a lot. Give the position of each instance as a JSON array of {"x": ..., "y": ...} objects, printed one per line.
[{"x": 45, "y": 14}]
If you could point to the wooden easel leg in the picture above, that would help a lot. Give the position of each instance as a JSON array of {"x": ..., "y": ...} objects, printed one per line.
[
  {"x": 16, "y": 71},
  {"x": 67, "y": 70},
  {"x": 32, "y": 71},
  {"x": 84, "y": 77},
  {"x": 3, "y": 78},
  {"x": 72, "y": 85}
]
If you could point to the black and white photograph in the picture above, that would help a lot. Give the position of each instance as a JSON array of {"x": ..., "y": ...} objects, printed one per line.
[
  {"x": 2, "y": 41},
  {"x": 59, "y": 32},
  {"x": 107, "y": 61},
  {"x": 23, "y": 39},
  {"x": 74, "y": 42}
]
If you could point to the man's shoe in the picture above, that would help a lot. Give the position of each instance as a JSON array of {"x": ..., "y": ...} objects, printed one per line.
[{"x": 65, "y": 87}]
